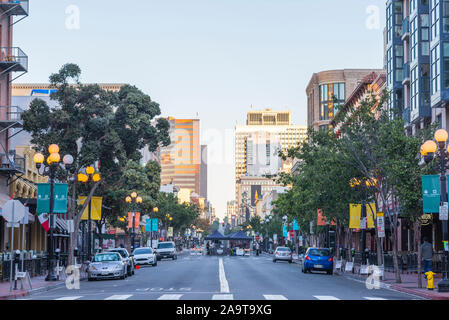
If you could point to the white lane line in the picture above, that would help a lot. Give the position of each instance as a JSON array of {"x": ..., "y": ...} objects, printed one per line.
[
  {"x": 223, "y": 297},
  {"x": 146, "y": 289},
  {"x": 274, "y": 297},
  {"x": 224, "y": 287},
  {"x": 373, "y": 298},
  {"x": 326, "y": 298},
  {"x": 170, "y": 297},
  {"x": 119, "y": 297},
  {"x": 69, "y": 298}
]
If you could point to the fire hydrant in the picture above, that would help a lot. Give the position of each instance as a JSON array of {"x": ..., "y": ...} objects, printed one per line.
[{"x": 429, "y": 275}]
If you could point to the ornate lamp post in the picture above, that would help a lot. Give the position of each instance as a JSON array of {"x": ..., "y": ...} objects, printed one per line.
[
  {"x": 51, "y": 170},
  {"x": 90, "y": 176},
  {"x": 134, "y": 200},
  {"x": 431, "y": 150}
]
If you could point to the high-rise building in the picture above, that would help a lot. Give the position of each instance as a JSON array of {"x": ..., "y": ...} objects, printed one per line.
[
  {"x": 13, "y": 64},
  {"x": 265, "y": 134},
  {"x": 203, "y": 172},
  {"x": 327, "y": 91},
  {"x": 180, "y": 161}
]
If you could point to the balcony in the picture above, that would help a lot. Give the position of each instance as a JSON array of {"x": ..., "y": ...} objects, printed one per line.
[
  {"x": 11, "y": 164},
  {"x": 10, "y": 117},
  {"x": 15, "y": 7},
  {"x": 13, "y": 59},
  {"x": 406, "y": 73},
  {"x": 405, "y": 29}
]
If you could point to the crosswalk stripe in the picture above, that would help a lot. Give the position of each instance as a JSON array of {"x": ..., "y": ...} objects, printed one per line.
[
  {"x": 326, "y": 298},
  {"x": 373, "y": 298},
  {"x": 223, "y": 297},
  {"x": 274, "y": 297},
  {"x": 119, "y": 297},
  {"x": 170, "y": 297},
  {"x": 69, "y": 298}
]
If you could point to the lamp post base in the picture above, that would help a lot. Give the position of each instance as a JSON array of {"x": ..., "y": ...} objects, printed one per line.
[{"x": 443, "y": 285}]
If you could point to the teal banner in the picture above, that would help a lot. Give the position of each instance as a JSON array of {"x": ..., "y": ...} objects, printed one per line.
[
  {"x": 60, "y": 199},
  {"x": 284, "y": 231},
  {"x": 60, "y": 202},
  {"x": 431, "y": 193},
  {"x": 155, "y": 224},
  {"x": 43, "y": 198},
  {"x": 295, "y": 225}
]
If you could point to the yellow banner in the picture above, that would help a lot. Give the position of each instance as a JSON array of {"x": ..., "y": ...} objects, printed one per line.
[
  {"x": 95, "y": 210},
  {"x": 355, "y": 212}
]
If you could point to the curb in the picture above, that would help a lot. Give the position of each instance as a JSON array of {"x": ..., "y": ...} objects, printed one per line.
[{"x": 21, "y": 293}]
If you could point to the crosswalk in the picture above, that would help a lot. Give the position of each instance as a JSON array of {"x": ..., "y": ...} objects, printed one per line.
[{"x": 221, "y": 296}]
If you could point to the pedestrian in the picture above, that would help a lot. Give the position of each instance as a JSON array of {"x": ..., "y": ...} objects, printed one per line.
[
  {"x": 427, "y": 255},
  {"x": 257, "y": 248}
]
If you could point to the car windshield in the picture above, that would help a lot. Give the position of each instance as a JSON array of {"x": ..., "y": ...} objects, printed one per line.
[
  {"x": 165, "y": 245},
  {"x": 123, "y": 253},
  {"x": 283, "y": 249},
  {"x": 319, "y": 252},
  {"x": 106, "y": 257},
  {"x": 143, "y": 251}
]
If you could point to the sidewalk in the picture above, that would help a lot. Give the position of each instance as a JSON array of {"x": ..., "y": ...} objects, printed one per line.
[
  {"x": 409, "y": 284},
  {"x": 38, "y": 284}
]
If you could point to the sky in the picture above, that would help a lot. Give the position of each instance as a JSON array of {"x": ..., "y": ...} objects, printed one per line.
[{"x": 211, "y": 59}]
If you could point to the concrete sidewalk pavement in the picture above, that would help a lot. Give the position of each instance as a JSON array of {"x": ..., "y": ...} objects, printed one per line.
[{"x": 38, "y": 284}]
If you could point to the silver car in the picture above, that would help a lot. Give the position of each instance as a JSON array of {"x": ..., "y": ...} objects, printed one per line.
[
  {"x": 283, "y": 254},
  {"x": 106, "y": 266}
]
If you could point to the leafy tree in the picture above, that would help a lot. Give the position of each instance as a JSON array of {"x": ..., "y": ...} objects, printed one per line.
[{"x": 95, "y": 126}]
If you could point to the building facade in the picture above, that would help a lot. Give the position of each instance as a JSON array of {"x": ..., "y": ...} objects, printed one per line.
[
  {"x": 181, "y": 160},
  {"x": 327, "y": 91}
]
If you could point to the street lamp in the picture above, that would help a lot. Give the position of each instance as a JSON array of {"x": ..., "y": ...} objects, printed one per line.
[
  {"x": 429, "y": 151},
  {"x": 53, "y": 165},
  {"x": 134, "y": 200},
  {"x": 85, "y": 178}
]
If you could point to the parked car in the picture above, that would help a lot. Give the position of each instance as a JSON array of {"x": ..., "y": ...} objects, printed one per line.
[
  {"x": 319, "y": 259},
  {"x": 106, "y": 265},
  {"x": 128, "y": 259},
  {"x": 283, "y": 254},
  {"x": 144, "y": 255},
  {"x": 166, "y": 250}
]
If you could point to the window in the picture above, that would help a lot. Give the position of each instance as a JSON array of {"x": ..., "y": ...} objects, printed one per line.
[
  {"x": 414, "y": 39},
  {"x": 445, "y": 16},
  {"x": 328, "y": 106},
  {"x": 435, "y": 19},
  {"x": 414, "y": 88},
  {"x": 446, "y": 65},
  {"x": 399, "y": 53},
  {"x": 425, "y": 86},
  {"x": 435, "y": 69},
  {"x": 425, "y": 46}
]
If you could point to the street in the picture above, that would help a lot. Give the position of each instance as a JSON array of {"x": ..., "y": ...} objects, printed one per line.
[{"x": 223, "y": 278}]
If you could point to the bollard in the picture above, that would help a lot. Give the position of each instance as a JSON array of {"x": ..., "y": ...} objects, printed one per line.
[{"x": 430, "y": 284}]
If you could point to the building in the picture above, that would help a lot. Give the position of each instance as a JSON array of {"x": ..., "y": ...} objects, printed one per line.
[
  {"x": 203, "y": 172},
  {"x": 180, "y": 161},
  {"x": 327, "y": 91},
  {"x": 269, "y": 131},
  {"x": 13, "y": 64},
  {"x": 372, "y": 84},
  {"x": 230, "y": 211}
]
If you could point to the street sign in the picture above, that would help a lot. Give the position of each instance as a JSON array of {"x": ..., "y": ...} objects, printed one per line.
[
  {"x": 363, "y": 223},
  {"x": 444, "y": 211},
  {"x": 13, "y": 211},
  {"x": 380, "y": 225}
]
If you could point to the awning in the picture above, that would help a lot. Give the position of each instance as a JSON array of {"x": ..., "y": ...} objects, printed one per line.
[{"x": 216, "y": 236}]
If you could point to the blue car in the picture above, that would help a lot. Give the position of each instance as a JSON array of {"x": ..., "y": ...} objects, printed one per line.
[{"x": 318, "y": 259}]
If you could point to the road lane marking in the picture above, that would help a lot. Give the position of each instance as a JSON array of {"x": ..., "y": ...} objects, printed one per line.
[
  {"x": 224, "y": 287},
  {"x": 119, "y": 297},
  {"x": 170, "y": 297},
  {"x": 223, "y": 297},
  {"x": 69, "y": 298},
  {"x": 146, "y": 289},
  {"x": 326, "y": 298},
  {"x": 373, "y": 298},
  {"x": 274, "y": 297}
]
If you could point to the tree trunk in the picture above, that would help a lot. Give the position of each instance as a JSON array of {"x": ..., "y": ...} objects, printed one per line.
[
  {"x": 417, "y": 242},
  {"x": 395, "y": 253}
]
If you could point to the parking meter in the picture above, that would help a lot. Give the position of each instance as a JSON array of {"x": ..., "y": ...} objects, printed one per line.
[{"x": 353, "y": 252}]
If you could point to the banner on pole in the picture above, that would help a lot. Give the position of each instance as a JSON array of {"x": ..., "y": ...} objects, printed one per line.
[
  {"x": 136, "y": 220},
  {"x": 155, "y": 224},
  {"x": 355, "y": 213},
  {"x": 431, "y": 193},
  {"x": 95, "y": 208},
  {"x": 295, "y": 225},
  {"x": 43, "y": 198},
  {"x": 60, "y": 201}
]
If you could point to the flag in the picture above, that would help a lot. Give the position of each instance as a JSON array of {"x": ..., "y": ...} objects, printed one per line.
[{"x": 43, "y": 219}]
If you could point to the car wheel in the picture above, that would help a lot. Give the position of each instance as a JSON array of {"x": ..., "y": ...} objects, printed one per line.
[
  {"x": 154, "y": 264},
  {"x": 289, "y": 261},
  {"x": 133, "y": 270},
  {"x": 330, "y": 272},
  {"x": 89, "y": 279},
  {"x": 274, "y": 260}
]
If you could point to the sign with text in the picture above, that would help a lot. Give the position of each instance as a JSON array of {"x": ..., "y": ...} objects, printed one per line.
[
  {"x": 443, "y": 211},
  {"x": 431, "y": 193},
  {"x": 380, "y": 225},
  {"x": 355, "y": 213}
]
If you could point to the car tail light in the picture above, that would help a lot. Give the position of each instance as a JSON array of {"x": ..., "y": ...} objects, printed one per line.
[
  {"x": 331, "y": 259},
  {"x": 307, "y": 258}
]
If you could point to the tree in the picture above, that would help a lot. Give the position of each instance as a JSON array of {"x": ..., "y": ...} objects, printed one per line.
[{"x": 95, "y": 126}]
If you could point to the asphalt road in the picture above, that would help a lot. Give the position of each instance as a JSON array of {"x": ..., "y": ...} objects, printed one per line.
[{"x": 234, "y": 278}]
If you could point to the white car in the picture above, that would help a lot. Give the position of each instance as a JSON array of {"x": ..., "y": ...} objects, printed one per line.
[
  {"x": 283, "y": 254},
  {"x": 144, "y": 255}
]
